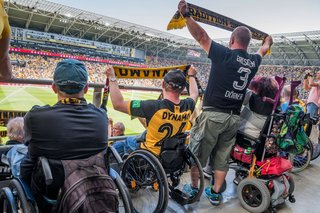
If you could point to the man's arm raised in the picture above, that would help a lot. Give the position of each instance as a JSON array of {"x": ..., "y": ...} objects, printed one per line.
[
  {"x": 193, "y": 87},
  {"x": 115, "y": 94},
  {"x": 198, "y": 33}
]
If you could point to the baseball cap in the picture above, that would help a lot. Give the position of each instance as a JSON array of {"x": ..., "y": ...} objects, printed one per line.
[
  {"x": 176, "y": 78},
  {"x": 70, "y": 76}
]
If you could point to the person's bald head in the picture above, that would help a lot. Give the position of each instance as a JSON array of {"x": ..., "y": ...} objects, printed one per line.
[{"x": 240, "y": 38}]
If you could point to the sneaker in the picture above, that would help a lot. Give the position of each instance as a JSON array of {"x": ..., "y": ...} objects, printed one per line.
[
  {"x": 214, "y": 198},
  {"x": 207, "y": 172},
  {"x": 189, "y": 190}
]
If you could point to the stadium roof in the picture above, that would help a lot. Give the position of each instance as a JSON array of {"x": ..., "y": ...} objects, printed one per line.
[{"x": 301, "y": 49}]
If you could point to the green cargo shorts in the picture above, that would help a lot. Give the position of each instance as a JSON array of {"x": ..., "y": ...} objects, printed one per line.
[{"x": 214, "y": 134}]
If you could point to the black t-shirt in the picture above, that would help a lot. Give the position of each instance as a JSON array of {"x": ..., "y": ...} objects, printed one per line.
[
  {"x": 164, "y": 119},
  {"x": 231, "y": 73},
  {"x": 66, "y": 131}
]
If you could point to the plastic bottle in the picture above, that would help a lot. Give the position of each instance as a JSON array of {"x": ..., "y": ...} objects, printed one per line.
[{"x": 247, "y": 151}]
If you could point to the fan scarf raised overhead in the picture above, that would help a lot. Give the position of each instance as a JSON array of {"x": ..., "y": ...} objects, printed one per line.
[{"x": 211, "y": 18}]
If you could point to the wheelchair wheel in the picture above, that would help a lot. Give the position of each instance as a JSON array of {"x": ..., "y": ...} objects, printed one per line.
[
  {"x": 302, "y": 161},
  {"x": 23, "y": 205},
  {"x": 7, "y": 202},
  {"x": 180, "y": 181},
  {"x": 145, "y": 178},
  {"x": 254, "y": 195},
  {"x": 125, "y": 204},
  {"x": 316, "y": 151}
]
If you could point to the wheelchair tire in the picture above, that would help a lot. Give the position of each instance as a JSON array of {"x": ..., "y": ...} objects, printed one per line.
[
  {"x": 253, "y": 186},
  {"x": 7, "y": 202},
  {"x": 125, "y": 205},
  {"x": 316, "y": 151},
  {"x": 148, "y": 165},
  {"x": 314, "y": 138},
  {"x": 302, "y": 161},
  {"x": 22, "y": 203}
]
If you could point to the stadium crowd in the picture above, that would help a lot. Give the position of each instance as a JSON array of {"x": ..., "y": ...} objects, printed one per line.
[{"x": 42, "y": 67}]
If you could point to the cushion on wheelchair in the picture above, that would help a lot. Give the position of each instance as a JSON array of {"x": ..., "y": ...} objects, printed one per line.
[{"x": 172, "y": 154}]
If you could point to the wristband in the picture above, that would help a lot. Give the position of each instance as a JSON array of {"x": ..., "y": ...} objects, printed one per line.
[
  {"x": 190, "y": 76},
  {"x": 113, "y": 79}
]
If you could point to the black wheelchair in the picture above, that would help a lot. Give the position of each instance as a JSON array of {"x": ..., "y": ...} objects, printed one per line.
[
  {"x": 16, "y": 196},
  {"x": 151, "y": 178}
]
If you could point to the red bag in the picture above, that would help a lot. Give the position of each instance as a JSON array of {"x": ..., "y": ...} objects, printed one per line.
[
  {"x": 274, "y": 166},
  {"x": 238, "y": 153}
]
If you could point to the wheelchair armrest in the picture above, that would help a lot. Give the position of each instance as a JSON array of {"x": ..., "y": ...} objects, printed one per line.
[
  {"x": 46, "y": 170},
  {"x": 113, "y": 151}
]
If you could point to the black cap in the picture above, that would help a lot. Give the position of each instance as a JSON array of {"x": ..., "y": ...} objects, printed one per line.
[{"x": 176, "y": 78}]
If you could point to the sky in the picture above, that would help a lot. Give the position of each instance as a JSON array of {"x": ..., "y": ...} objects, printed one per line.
[{"x": 272, "y": 16}]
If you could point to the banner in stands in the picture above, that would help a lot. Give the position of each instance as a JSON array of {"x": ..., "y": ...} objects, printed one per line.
[
  {"x": 34, "y": 52},
  {"x": 208, "y": 17},
  {"x": 6, "y": 115},
  {"x": 149, "y": 73},
  {"x": 193, "y": 53}
]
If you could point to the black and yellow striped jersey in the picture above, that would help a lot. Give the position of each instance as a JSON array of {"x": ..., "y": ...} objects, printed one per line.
[{"x": 164, "y": 119}]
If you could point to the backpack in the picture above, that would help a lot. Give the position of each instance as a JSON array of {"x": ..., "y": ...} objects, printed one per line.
[
  {"x": 172, "y": 153},
  {"x": 87, "y": 187},
  {"x": 292, "y": 137}
]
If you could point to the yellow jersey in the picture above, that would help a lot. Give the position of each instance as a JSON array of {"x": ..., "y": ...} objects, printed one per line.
[
  {"x": 4, "y": 22},
  {"x": 164, "y": 119}
]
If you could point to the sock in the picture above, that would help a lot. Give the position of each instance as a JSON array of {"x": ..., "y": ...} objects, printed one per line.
[{"x": 213, "y": 192}]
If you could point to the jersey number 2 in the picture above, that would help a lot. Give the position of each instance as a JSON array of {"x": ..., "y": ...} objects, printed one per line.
[{"x": 168, "y": 128}]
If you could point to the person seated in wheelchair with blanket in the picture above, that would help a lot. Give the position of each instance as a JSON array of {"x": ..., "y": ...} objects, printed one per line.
[
  {"x": 165, "y": 118},
  {"x": 71, "y": 134}
]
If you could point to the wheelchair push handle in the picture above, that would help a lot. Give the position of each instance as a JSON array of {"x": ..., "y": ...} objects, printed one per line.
[{"x": 46, "y": 170}]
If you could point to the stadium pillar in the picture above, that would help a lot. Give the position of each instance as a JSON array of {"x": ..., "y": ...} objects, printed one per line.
[{"x": 97, "y": 96}]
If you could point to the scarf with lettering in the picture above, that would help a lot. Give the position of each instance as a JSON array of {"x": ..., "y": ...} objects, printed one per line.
[
  {"x": 150, "y": 73},
  {"x": 212, "y": 18}
]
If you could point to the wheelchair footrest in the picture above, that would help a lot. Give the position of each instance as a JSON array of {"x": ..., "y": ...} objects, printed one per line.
[{"x": 180, "y": 197}]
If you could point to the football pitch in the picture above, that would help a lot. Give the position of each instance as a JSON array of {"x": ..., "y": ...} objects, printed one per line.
[{"x": 22, "y": 98}]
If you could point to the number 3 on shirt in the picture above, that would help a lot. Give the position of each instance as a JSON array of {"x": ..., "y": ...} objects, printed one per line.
[{"x": 244, "y": 78}]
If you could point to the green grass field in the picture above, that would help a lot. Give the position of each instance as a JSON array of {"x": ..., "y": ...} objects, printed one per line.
[{"x": 22, "y": 98}]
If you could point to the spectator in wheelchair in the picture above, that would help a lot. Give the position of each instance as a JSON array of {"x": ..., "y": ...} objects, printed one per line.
[
  {"x": 127, "y": 145},
  {"x": 15, "y": 131},
  {"x": 255, "y": 110},
  {"x": 165, "y": 118},
  {"x": 71, "y": 129}
]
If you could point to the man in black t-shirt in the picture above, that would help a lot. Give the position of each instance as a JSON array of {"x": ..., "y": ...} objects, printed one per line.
[
  {"x": 231, "y": 72},
  {"x": 70, "y": 129},
  {"x": 164, "y": 118}
]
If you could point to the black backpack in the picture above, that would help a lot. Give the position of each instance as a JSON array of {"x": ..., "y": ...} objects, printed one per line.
[{"x": 87, "y": 187}]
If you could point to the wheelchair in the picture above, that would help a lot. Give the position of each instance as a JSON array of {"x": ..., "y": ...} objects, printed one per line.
[
  {"x": 261, "y": 168},
  {"x": 151, "y": 178},
  {"x": 257, "y": 188},
  {"x": 16, "y": 195}
]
